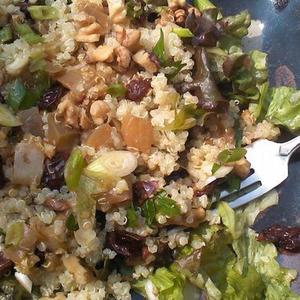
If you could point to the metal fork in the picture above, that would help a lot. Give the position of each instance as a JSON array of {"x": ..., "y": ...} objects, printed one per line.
[{"x": 269, "y": 166}]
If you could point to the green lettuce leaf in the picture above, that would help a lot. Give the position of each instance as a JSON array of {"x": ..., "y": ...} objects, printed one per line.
[{"x": 284, "y": 108}]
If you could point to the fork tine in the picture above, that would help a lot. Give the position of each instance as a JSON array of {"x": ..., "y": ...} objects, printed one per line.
[
  {"x": 246, "y": 182},
  {"x": 240, "y": 201}
]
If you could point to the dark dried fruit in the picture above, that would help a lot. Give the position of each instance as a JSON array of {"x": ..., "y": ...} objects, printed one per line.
[
  {"x": 143, "y": 190},
  {"x": 163, "y": 256},
  {"x": 283, "y": 237},
  {"x": 137, "y": 89},
  {"x": 5, "y": 264},
  {"x": 2, "y": 177},
  {"x": 126, "y": 244},
  {"x": 51, "y": 97},
  {"x": 56, "y": 205},
  {"x": 175, "y": 175},
  {"x": 53, "y": 176}
]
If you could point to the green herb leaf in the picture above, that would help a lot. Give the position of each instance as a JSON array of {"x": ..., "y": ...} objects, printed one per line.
[
  {"x": 26, "y": 33},
  {"x": 164, "y": 205},
  {"x": 182, "y": 32},
  {"x": 148, "y": 211},
  {"x": 43, "y": 12},
  {"x": 14, "y": 233},
  {"x": 215, "y": 168},
  {"x": 16, "y": 94},
  {"x": 232, "y": 155},
  {"x": 233, "y": 183},
  {"x": 6, "y": 34},
  {"x": 159, "y": 48},
  {"x": 74, "y": 168},
  {"x": 71, "y": 223},
  {"x": 117, "y": 90},
  {"x": 176, "y": 67},
  {"x": 132, "y": 219},
  {"x": 238, "y": 134}
]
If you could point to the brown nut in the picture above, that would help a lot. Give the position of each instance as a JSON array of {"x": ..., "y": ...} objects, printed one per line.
[
  {"x": 103, "y": 53},
  {"x": 144, "y": 59},
  {"x": 98, "y": 111},
  {"x": 123, "y": 57},
  {"x": 89, "y": 34}
]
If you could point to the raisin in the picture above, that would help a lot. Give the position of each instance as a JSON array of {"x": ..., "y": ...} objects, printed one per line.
[
  {"x": 126, "y": 244},
  {"x": 283, "y": 237},
  {"x": 51, "y": 97},
  {"x": 137, "y": 89},
  {"x": 181, "y": 173},
  {"x": 53, "y": 176},
  {"x": 142, "y": 190},
  {"x": 2, "y": 177}
]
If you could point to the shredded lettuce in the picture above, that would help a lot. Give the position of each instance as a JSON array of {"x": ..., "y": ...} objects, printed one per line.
[{"x": 284, "y": 108}]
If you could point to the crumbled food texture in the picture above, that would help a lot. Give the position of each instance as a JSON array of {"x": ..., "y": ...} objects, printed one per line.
[
  {"x": 102, "y": 53},
  {"x": 98, "y": 111},
  {"x": 123, "y": 57},
  {"x": 144, "y": 60},
  {"x": 72, "y": 264},
  {"x": 129, "y": 38},
  {"x": 252, "y": 131},
  {"x": 117, "y": 11}
]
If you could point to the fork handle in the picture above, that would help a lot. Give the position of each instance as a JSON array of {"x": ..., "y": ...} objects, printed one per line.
[{"x": 286, "y": 149}]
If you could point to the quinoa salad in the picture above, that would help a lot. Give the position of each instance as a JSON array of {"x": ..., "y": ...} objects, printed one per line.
[{"x": 120, "y": 123}]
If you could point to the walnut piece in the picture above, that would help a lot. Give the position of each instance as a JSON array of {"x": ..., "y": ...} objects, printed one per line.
[
  {"x": 180, "y": 16},
  {"x": 69, "y": 111},
  {"x": 117, "y": 11},
  {"x": 128, "y": 38},
  {"x": 99, "y": 110},
  {"x": 123, "y": 57},
  {"x": 143, "y": 59},
  {"x": 103, "y": 53},
  {"x": 89, "y": 34}
]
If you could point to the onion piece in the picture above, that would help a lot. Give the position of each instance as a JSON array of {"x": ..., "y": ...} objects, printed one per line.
[
  {"x": 114, "y": 163},
  {"x": 28, "y": 164},
  {"x": 7, "y": 118},
  {"x": 32, "y": 121},
  {"x": 25, "y": 281}
]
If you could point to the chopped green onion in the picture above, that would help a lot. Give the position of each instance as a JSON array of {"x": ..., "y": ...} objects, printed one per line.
[
  {"x": 16, "y": 94},
  {"x": 25, "y": 32},
  {"x": 203, "y": 4},
  {"x": 14, "y": 233},
  {"x": 148, "y": 211},
  {"x": 74, "y": 168},
  {"x": 7, "y": 118},
  {"x": 37, "y": 64},
  {"x": 232, "y": 155},
  {"x": 6, "y": 34},
  {"x": 117, "y": 90},
  {"x": 215, "y": 168},
  {"x": 43, "y": 12},
  {"x": 164, "y": 205},
  {"x": 238, "y": 134},
  {"x": 132, "y": 219},
  {"x": 71, "y": 223},
  {"x": 233, "y": 183},
  {"x": 186, "y": 118},
  {"x": 183, "y": 32},
  {"x": 159, "y": 48},
  {"x": 85, "y": 206}
]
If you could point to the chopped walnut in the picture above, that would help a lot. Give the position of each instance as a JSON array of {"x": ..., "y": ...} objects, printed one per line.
[
  {"x": 84, "y": 121},
  {"x": 89, "y": 34},
  {"x": 99, "y": 110},
  {"x": 117, "y": 11},
  {"x": 144, "y": 59},
  {"x": 180, "y": 16},
  {"x": 128, "y": 38},
  {"x": 123, "y": 57},
  {"x": 69, "y": 111},
  {"x": 103, "y": 53},
  {"x": 72, "y": 264}
]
